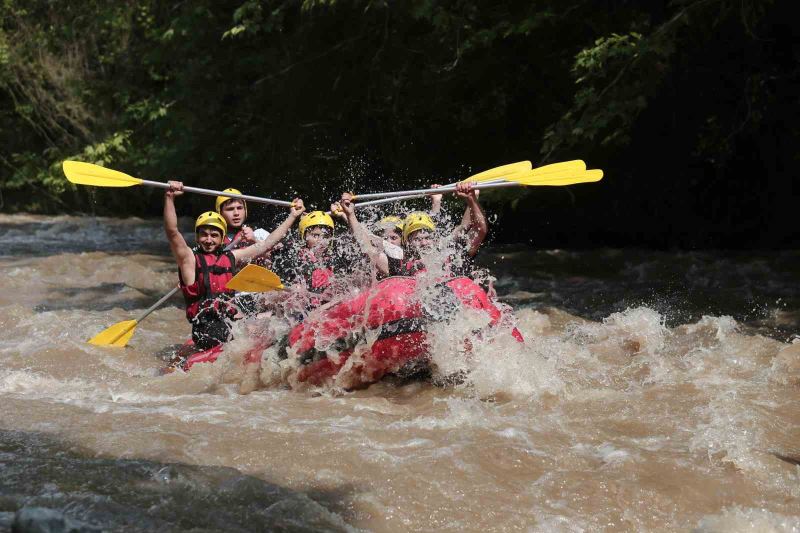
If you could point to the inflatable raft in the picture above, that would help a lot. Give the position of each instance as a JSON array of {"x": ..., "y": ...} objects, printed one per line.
[{"x": 385, "y": 326}]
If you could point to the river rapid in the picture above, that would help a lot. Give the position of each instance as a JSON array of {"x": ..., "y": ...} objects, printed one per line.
[{"x": 655, "y": 391}]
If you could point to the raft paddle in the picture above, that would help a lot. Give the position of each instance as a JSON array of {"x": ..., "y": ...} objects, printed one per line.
[
  {"x": 587, "y": 176},
  {"x": 504, "y": 170},
  {"x": 556, "y": 169},
  {"x": 120, "y": 333},
  {"x": 254, "y": 278},
  {"x": 82, "y": 173},
  {"x": 251, "y": 278},
  {"x": 566, "y": 168}
]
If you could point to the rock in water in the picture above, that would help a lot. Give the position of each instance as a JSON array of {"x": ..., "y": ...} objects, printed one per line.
[{"x": 44, "y": 520}]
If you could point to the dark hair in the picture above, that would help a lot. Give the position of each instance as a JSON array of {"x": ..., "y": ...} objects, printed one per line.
[
  {"x": 223, "y": 204},
  {"x": 210, "y": 227}
]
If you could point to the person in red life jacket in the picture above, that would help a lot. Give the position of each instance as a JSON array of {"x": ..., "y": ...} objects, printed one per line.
[
  {"x": 239, "y": 234},
  {"x": 314, "y": 265},
  {"x": 384, "y": 248},
  {"x": 418, "y": 240},
  {"x": 234, "y": 211},
  {"x": 418, "y": 237},
  {"x": 204, "y": 271}
]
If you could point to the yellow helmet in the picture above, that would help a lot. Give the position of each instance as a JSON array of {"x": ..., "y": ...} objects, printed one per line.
[
  {"x": 222, "y": 199},
  {"x": 314, "y": 218},
  {"x": 391, "y": 222},
  {"x": 210, "y": 218},
  {"x": 417, "y": 221}
]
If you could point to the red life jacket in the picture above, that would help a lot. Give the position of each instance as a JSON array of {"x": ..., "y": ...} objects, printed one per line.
[
  {"x": 317, "y": 273},
  {"x": 411, "y": 267},
  {"x": 240, "y": 243},
  {"x": 212, "y": 273}
]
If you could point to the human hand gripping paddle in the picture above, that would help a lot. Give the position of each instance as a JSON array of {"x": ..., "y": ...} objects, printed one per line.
[
  {"x": 493, "y": 174},
  {"x": 121, "y": 333},
  {"x": 82, "y": 173}
]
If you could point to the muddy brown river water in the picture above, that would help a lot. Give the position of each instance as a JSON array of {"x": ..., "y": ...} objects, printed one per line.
[{"x": 655, "y": 392}]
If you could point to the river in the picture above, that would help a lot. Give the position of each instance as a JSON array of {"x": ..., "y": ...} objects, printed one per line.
[{"x": 655, "y": 391}]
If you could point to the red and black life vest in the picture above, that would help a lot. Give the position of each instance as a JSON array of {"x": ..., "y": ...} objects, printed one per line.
[
  {"x": 410, "y": 267},
  {"x": 395, "y": 268},
  {"x": 237, "y": 238},
  {"x": 317, "y": 273},
  {"x": 212, "y": 273}
]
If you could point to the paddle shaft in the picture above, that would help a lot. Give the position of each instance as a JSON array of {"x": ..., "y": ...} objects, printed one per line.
[
  {"x": 157, "y": 304},
  {"x": 209, "y": 192},
  {"x": 446, "y": 188},
  {"x": 418, "y": 193}
]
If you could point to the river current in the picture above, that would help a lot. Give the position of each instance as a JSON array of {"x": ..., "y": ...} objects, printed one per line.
[{"x": 656, "y": 391}]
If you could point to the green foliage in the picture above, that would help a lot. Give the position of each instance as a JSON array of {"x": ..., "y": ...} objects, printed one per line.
[
  {"x": 286, "y": 98},
  {"x": 615, "y": 79}
]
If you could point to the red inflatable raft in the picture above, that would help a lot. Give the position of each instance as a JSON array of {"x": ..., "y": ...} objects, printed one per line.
[{"x": 391, "y": 313}]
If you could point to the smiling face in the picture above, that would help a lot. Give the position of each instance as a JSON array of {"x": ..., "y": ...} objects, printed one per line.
[
  {"x": 317, "y": 237},
  {"x": 234, "y": 213},
  {"x": 208, "y": 238}
]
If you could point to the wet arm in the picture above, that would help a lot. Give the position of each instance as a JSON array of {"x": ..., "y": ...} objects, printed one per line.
[
  {"x": 369, "y": 243},
  {"x": 184, "y": 257},
  {"x": 466, "y": 221},
  {"x": 478, "y": 228},
  {"x": 436, "y": 201},
  {"x": 244, "y": 254}
]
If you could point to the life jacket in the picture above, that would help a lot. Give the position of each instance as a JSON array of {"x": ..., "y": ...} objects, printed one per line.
[
  {"x": 395, "y": 269},
  {"x": 227, "y": 240},
  {"x": 212, "y": 273},
  {"x": 409, "y": 267},
  {"x": 318, "y": 273}
]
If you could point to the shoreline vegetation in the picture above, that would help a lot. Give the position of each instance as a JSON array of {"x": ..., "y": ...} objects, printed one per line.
[{"x": 684, "y": 106}]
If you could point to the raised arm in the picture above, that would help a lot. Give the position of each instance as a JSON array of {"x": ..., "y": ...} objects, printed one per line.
[
  {"x": 183, "y": 255},
  {"x": 371, "y": 245},
  {"x": 245, "y": 254},
  {"x": 466, "y": 218},
  {"x": 436, "y": 201},
  {"x": 477, "y": 228}
]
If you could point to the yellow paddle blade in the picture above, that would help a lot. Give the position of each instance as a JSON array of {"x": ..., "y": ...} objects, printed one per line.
[
  {"x": 560, "y": 172},
  {"x": 254, "y": 278},
  {"x": 587, "y": 176},
  {"x": 82, "y": 173},
  {"x": 117, "y": 335},
  {"x": 518, "y": 170},
  {"x": 573, "y": 166},
  {"x": 501, "y": 172}
]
